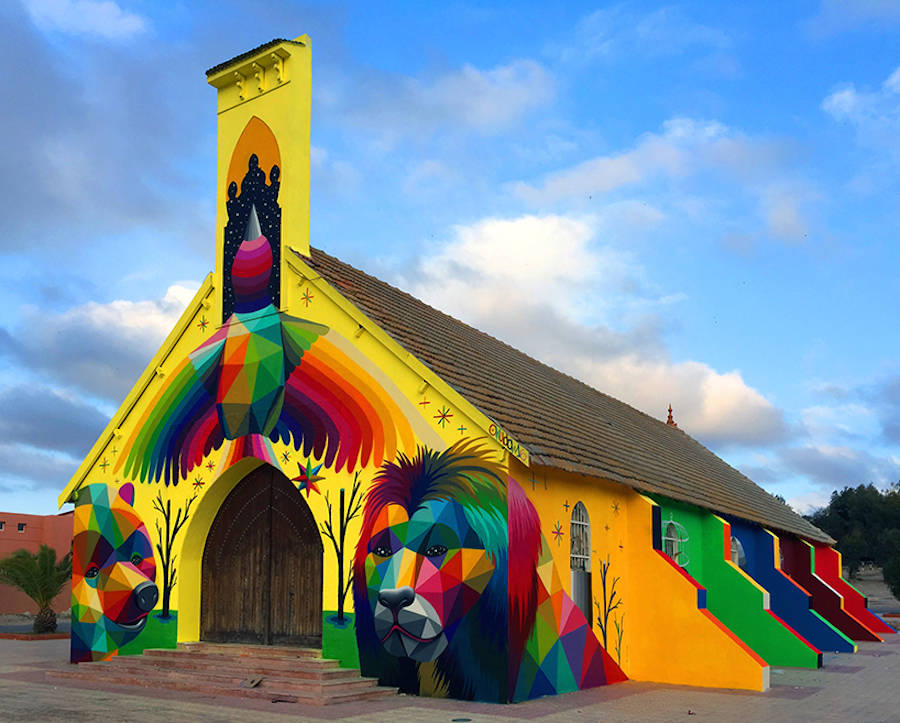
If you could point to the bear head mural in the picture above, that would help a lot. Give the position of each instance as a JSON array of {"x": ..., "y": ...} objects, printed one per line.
[{"x": 113, "y": 573}]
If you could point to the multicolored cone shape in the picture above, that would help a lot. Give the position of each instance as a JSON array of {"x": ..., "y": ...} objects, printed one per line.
[{"x": 246, "y": 384}]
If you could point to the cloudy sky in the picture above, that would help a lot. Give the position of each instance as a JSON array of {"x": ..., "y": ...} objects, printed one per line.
[{"x": 687, "y": 203}]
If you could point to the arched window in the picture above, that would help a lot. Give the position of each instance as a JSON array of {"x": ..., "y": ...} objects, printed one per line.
[
  {"x": 580, "y": 559},
  {"x": 738, "y": 557},
  {"x": 675, "y": 539},
  {"x": 581, "y": 539}
]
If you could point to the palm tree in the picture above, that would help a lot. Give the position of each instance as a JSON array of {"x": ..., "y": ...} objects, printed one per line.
[{"x": 41, "y": 578}]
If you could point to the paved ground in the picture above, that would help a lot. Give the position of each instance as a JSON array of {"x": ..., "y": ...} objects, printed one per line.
[{"x": 861, "y": 687}]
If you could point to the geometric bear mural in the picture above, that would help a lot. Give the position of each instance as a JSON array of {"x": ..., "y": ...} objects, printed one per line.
[{"x": 113, "y": 573}]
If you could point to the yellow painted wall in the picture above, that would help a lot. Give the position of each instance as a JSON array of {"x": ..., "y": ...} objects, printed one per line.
[
  {"x": 665, "y": 637},
  {"x": 437, "y": 415}
]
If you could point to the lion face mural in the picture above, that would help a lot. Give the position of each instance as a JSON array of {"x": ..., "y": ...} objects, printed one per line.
[
  {"x": 424, "y": 572},
  {"x": 113, "y": 573},
  {"x": 430, "y": 576},
  {"x": 455, "y": 591}
]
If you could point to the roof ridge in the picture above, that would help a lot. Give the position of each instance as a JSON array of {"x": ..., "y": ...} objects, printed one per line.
[
  {"x": 563, "y": 421},
  {"x": 566, "y": 375}
]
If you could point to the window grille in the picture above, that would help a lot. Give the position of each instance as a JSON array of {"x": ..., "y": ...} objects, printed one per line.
[
  {"x": 738, "y": 557},
  {"x": 580, "y": 536},
  {"x": 580, "y": 560},
  {"x": 675, "y": 539}
]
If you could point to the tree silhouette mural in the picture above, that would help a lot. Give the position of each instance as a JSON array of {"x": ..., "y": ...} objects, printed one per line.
[
  {"x": 610, "y": 601},
  {"x": 165, "y": 543},
  {"x": 348, "y": 509}
]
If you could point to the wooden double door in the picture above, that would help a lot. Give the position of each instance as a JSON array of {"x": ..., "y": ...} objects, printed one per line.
[{"x": 262, "y": 566}]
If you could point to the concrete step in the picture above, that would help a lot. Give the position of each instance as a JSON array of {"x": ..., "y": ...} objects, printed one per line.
[
  {"x": 230, "y": 677},
  {"x": 275, "y": 673},
  {"x": 304, "y": 670},
  {"x": 187, "y": 685},
  {"x": 264, "y": 651},
  {"x": 200, "y": 660}
]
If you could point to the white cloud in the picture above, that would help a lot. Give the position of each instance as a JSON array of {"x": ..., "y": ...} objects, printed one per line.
[
  {"x": 616, "y": 32},
  {"x": 835, "y": 466},
  {"x": 836, "y": 16},
  {"x": 333, "y": 174},
  {"x": 98, "y": 348},
  {"x": 685, "y": 147},
  {"x": 544, "y": 285},
  {"x": 874, "y": 114},
  {"x": 101, "y": 18},
  {"x": 466, "y": 99},
  {"x": 809, "y": 501}
]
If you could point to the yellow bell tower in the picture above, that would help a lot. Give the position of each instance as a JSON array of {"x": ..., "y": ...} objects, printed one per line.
[{"x": 263, "y": 156}]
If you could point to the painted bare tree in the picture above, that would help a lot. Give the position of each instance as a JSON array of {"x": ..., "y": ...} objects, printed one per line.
[
  {"x": 611, "y": 601},
  {"x": 348, "y": 509},
  {"x": 165, "y": 543},
  {"x": 620, "y": 629}
]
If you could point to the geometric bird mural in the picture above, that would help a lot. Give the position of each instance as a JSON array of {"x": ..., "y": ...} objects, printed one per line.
[
  {"x": 113, "y": 573},
  {"x": 264, "y": 376}
]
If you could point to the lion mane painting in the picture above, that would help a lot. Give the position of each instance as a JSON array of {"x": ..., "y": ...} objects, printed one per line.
[{"x": 455, "y": 591}]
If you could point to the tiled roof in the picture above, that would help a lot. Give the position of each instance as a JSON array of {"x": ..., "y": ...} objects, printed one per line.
[{"x": 563, "y": 422}]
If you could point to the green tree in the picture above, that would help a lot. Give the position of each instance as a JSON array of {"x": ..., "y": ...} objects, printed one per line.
[
  {"x": 862, "y": 520},
  {"x": 891, "y": 573},
  {"x": 41, "y": 578}
]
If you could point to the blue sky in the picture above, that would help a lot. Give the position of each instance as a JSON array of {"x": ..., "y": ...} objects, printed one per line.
[{"x": 687, "y": 203}]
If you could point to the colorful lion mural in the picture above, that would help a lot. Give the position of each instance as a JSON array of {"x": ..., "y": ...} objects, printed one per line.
[
  {"x": 442, "y": 534},
  {"x": 113, "y": 573}
]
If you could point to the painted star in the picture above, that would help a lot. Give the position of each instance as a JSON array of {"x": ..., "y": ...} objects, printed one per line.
[
  {"x": 308, "y": 477},
  {"x": 307, "y": 297},
  {"x": 558, "y": 532},
  {"x": 210, "y": 465},
  {"x": 615, "y": 508},
  {"x": 566, "y": 505},
  {"x": 285, "y": 456},
  {"x": 443, "y": 416},
  {"x": 198, "y": 483},
  {"x": 104, "y": 464},
  {"x": 203, "y": 323},
  {"x": 461, "y": 429}
]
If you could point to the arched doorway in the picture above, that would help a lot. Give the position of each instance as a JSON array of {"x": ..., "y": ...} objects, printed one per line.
[{"x": 262, "y": 566}]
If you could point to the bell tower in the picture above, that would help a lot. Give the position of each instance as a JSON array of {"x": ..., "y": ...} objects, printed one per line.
[{"x": 263, "y": 109}]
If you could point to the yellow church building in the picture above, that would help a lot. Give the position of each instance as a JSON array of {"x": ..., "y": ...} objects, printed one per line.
[{"x": 316, "y": 459}]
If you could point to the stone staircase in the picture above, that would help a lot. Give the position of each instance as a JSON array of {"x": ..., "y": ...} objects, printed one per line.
[{"x": 282, "y": 674}]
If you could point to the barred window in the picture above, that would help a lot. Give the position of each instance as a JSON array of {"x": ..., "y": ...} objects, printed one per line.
[
  {"x": 675, "y": 539},
  {"x": 580, "y": 538},
  {"x": 738, "y": 557}
]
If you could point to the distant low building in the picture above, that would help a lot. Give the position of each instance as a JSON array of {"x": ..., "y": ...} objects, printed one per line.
[{"x": 29, "y": 532}]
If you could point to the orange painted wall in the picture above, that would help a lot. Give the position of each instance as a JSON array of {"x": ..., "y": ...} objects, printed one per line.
[
  {"x": 666, "y": 638},
  {"x": 53, "y": 530}
]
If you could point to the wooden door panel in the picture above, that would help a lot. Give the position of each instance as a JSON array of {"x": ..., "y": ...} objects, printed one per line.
[
  {"x": 262, "y": 566},
  {"x": 296, "y": 586}
]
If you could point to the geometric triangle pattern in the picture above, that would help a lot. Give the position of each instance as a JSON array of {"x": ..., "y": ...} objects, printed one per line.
[
  {"x": 562, "y": 652},
  {"x": 264, "y": 377},
  {"x": 422, "y": 577},
  {"x": 430, "y": 574},
  {"x": 113, "y": 572}
]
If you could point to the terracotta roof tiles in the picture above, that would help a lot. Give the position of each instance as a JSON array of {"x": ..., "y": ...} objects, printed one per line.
[{"x": 563, "y": 422}]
